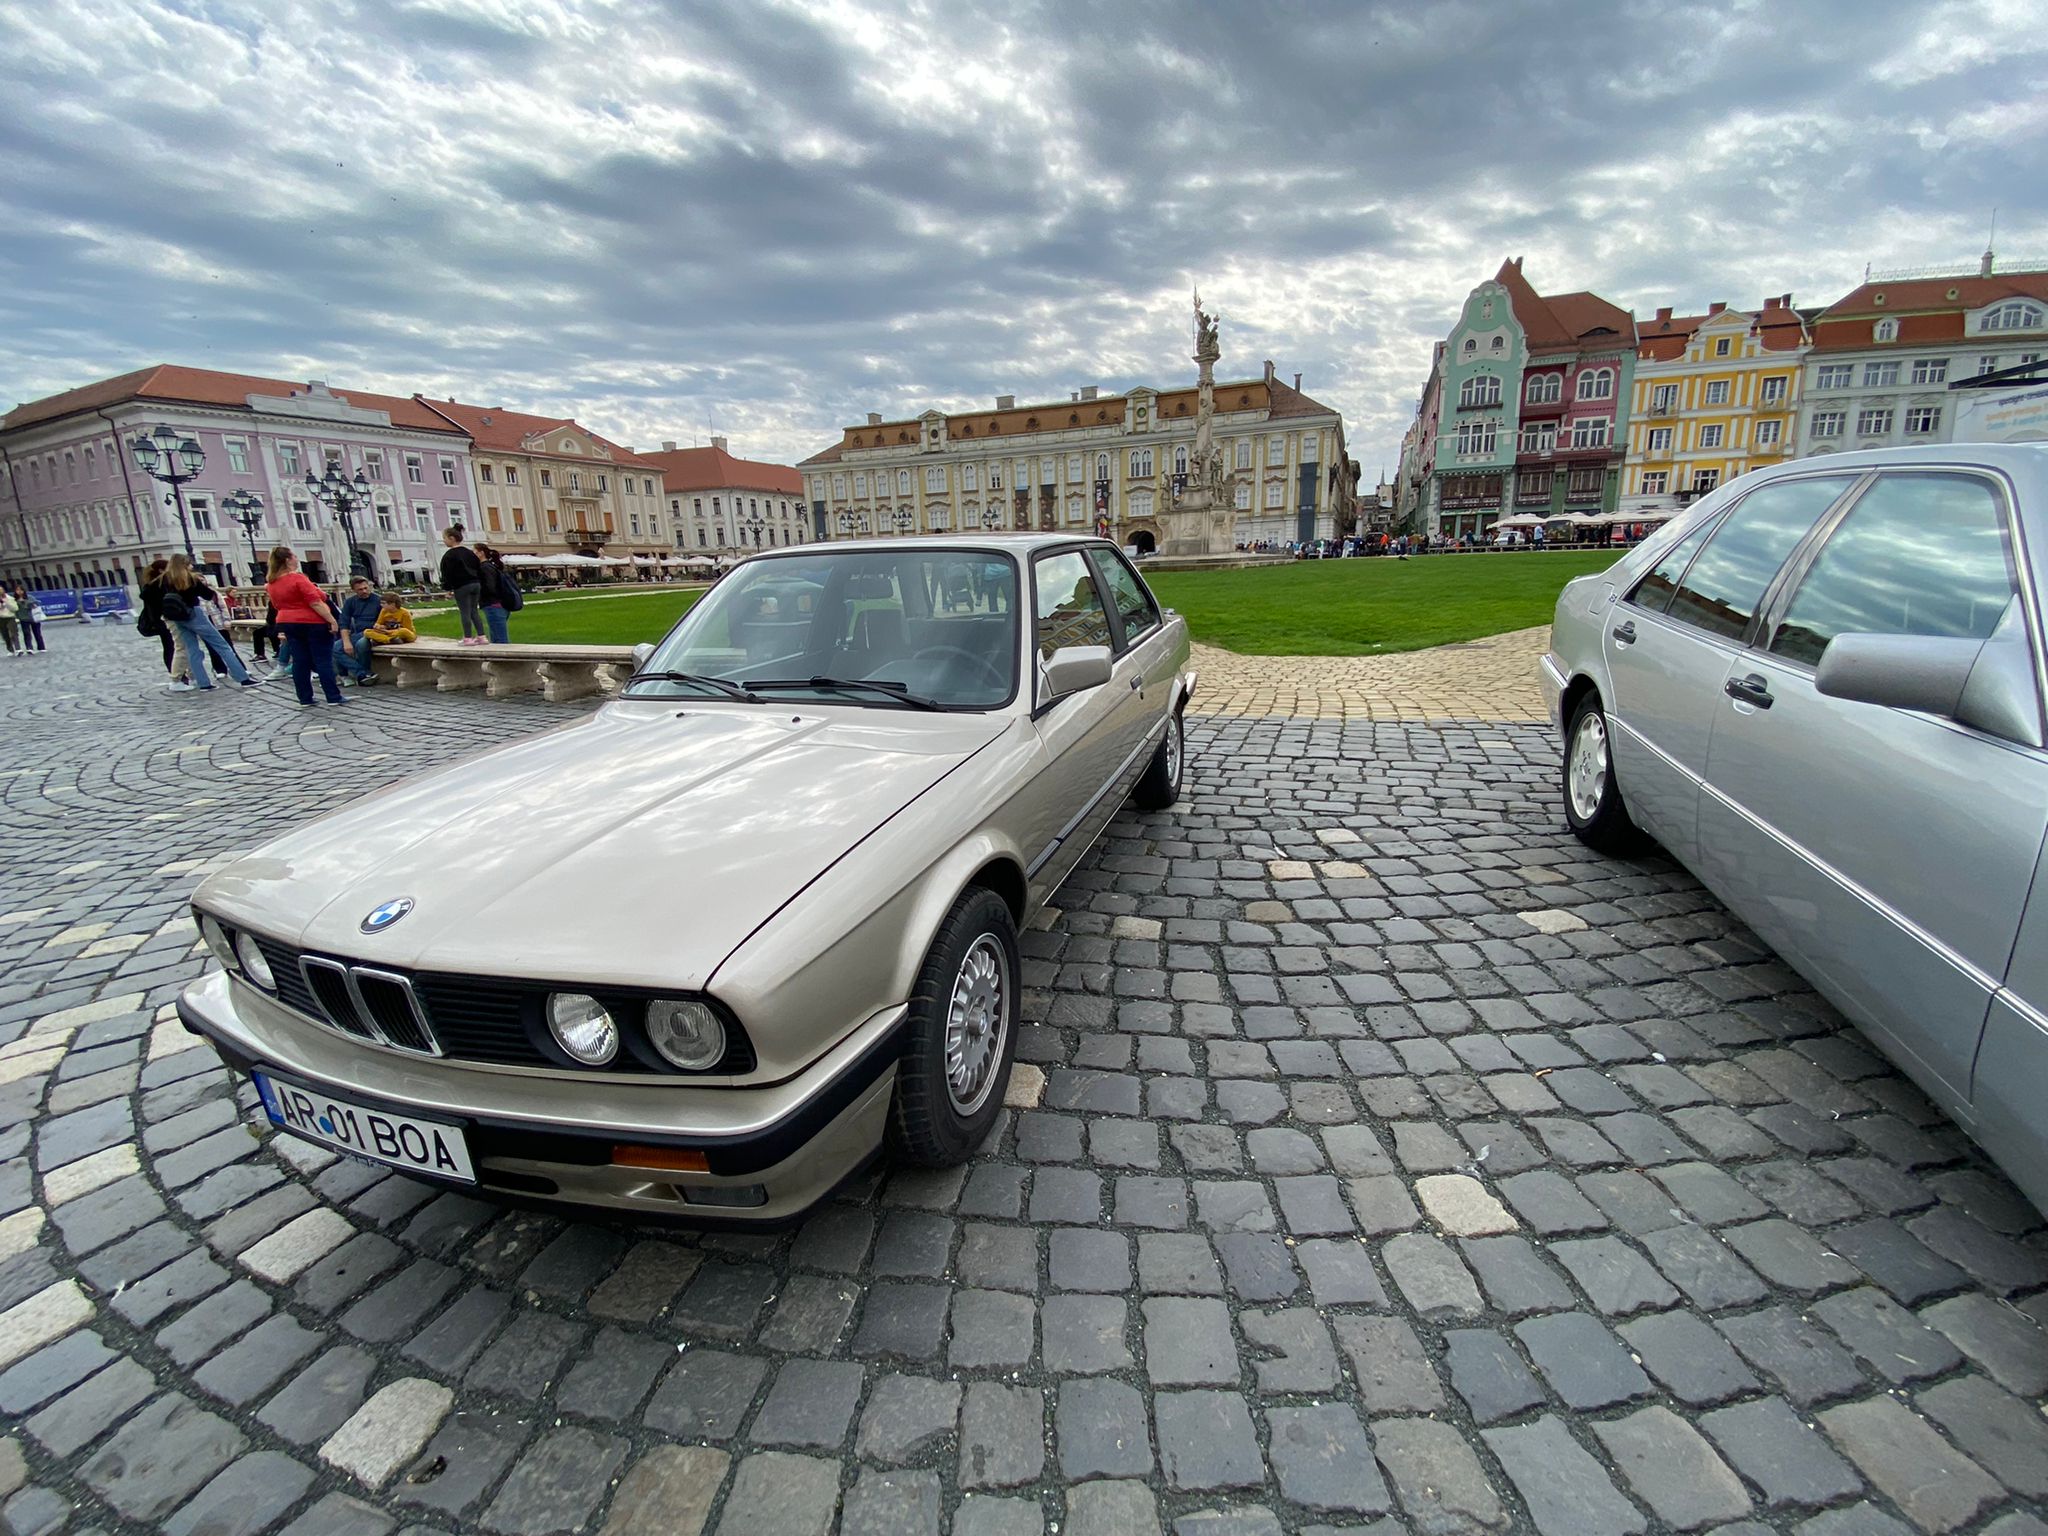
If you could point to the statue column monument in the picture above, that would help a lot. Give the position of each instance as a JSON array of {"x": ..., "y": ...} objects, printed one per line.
[{"x": 1203, "y": 519}]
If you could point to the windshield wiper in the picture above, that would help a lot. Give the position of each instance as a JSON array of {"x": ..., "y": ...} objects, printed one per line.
[
  {"x": 722, "y": 685},
  {"x": 897, "y": 692}
]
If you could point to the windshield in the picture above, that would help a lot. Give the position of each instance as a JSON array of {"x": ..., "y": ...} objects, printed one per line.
[{"x": 925, "y": 626}]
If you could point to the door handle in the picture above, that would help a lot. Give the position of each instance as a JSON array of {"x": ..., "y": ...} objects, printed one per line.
[
  {"x": 1625, "y": 632},
  {"x": 1753, "y": 689},
  {"x": 1137, "y": 685}
]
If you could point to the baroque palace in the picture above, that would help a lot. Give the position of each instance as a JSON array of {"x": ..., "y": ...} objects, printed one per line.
[{"x": 1107, "y": 464}]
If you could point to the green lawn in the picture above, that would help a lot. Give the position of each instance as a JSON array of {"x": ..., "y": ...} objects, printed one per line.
[
  {"x": 623, "y": 620},
  {"x": 1370, "y": 607},
  {"x": 1308, "y": 608}
]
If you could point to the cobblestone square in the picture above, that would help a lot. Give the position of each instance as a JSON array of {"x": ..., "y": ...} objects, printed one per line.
[{"x": 1386, "y": 1163}]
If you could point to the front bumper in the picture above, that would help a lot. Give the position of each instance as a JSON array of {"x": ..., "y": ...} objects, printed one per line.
[
  {"x": 1551, "y": 679},
  {"x": 771, "y": 1151}
]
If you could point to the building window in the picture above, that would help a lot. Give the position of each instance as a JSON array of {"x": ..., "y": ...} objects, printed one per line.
[
  {"x": 1885, "y": 330},
  {"x": 604, "y": 484},
  {"x": 1717, "y": 392},
  {"x": 1772, "y": 392},
  {"x": 547, "y": 479},
  {"x": 1276, "y": 493},
  {"x": 491, "y": 520},
  {"x": 483, "y": 473},
  {"x": 1654, "y": 483},
  {"x": 1276, "y": 447},
  {"x": 1875, "y": 421},
  {"x": 1475, "y": 437},
  {"x": 1721, "y": 344},
  {"x": 1768, "y": 433},
  {"x": 1710, "y": 435},
  {"x": 1180, "y": 460},
  {"x": 1471, "y": 346},
  {"x": 554, "y": 524},
  {"x": 388, "y": 524},
  {"x": 1660, "y": 439},
  {"x": 238, "y": 456},
  {"x": 970, "y": 477},
  {"x": 1073, "y": 469},
  {"x": 447, "y": 471},
  {"x": 1827, "y": 423},
  {"x": 1545, "y": 388},
  {"x": 1880, "y": 375},
  {"x": 902, "y": 482},
  {"x": 1664, "y": 399},
  {"x": 201, "y": 510},
  {"x": 1835, "y": 376},
  {"x": 1243, "y": 497},
  {"x": 1590, "y": 433},
  {"x": 1539, "y": 437},
  {"x": 938, "y": 517},
  {"x": 1244, "y": 453},
  {"x": 934, "y": 478},
  {"x": 1076, "y": 509},
  {"x": 423, "y": 514},
  {"x": 333, "y": 458},
  {"x": 633, "y": 524},
  {"x": 302, "y": 515},
  {"x": 1141, "y": 463},
  {"x": 288, "y": 460},
  {"x": 1704, "y": 480},
  {"x": 1477, "y": 392},
  {"x": 1598, "y": 384},
  {"x": 373, "y": 463},
  {"x": 2011, "y": 317},
  {"x": 995, "y": 477},
  {"x": 1922, "y": 420},
  {"x": 1585, "y": 484},
  {"x": 512, "y": 474},
  {"x": 415, "y": 469}
]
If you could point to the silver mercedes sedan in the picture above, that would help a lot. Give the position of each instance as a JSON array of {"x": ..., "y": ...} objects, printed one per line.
[
  {"x": 1821, "y": 690},
  {"x": 705, "y": 952}
]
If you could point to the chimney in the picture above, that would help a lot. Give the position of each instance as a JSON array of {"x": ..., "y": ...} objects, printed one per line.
[
  {"x": 1006, "y": 402},
  {"x": 1269, "y": 370},
  {"x": 874, "y": 418},
  {"x": 1770, "y": 304},
  {"x": 718, "y": 443},
  {"x": 1715, "y": 309},
  {"x": 1297, "y": 382},
  {"x": 1088, "y": 391},
  {"x": 668, "y": 446},
  {"x": 1984, "y": 266},
  {"x": 1664, "y": 312}
]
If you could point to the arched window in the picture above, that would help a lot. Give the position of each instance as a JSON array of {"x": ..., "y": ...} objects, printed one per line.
[
  {"x": 1140, "y": 504},
  {"x": 1499, "y": 343},
  {"x": 1481, "y": 389},
  {"x": 1886, "y": 330},
  {"x": 2015, "y": 316},
  {"x": 1598, "y": 384},
  {"x": 1545, "y": 388},
  {"x": 1180, "y": 460},
  {"x": 1102, "y": 466},
  {"x": 1471, "y": 347}
]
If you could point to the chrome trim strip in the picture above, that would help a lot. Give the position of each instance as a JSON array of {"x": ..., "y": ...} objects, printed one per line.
[
  {"x": 2028, "y": 1013},
  {"x": 1966, "y": 968},
  {"x": 1093, "y": 801},
  {"x": 1656, "y": 751},
  {"x": 419, "y": 1012}
]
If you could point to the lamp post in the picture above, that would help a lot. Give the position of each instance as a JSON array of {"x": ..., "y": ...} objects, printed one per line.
[
  {"x": 248, "y": 511},
  {"x": 169, "y": 456},
  {"x": 344, "y": 498}
]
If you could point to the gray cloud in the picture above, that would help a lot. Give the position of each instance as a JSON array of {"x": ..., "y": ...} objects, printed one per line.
[{"x": 778, "y": 217}]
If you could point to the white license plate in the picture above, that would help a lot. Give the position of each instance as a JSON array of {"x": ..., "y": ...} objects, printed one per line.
[{"x": 398, "y": 1140}]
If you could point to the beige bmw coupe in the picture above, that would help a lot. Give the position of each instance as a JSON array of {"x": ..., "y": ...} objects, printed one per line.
[{"x": 709, "y": 950}]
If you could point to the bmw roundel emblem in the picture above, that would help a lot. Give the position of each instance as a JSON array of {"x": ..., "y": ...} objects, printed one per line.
[{"x": 382, "y": 917}]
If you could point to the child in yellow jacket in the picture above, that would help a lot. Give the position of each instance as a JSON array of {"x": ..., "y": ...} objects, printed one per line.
[{"x": 394, "y": 623}]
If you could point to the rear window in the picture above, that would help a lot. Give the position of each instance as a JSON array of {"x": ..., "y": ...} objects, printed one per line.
[{"x": 1723, "y": 586}]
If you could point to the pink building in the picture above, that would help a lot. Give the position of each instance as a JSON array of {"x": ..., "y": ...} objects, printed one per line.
[{"x": 77, "y": 510}]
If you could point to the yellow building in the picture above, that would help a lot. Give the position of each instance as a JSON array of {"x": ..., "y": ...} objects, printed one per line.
[{"x": 1715, "y": 395}]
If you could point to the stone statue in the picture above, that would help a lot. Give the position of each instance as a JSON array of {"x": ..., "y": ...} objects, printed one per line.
[{"x": 1202, "y": 521}]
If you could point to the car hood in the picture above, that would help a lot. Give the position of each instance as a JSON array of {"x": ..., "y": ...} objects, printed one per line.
[{"x": 638, "y": 847}]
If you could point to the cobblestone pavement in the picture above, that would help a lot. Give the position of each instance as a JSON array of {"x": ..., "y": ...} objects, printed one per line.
[
  {"x": 1395, "y": 1166},
  {"x": 1488, "y": 679}
]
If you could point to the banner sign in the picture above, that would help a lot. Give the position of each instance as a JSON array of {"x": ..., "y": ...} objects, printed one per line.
[
  {"x": 101, "y": 602},
  {"x": 61, "y": 603}
]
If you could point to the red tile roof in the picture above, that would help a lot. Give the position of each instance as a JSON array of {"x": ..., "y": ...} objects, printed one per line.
[
  {"x": 498, "y": 430},
  {"x": 1286, "y": 400},
  {"x": 204, "y": 386},
  {"x": 1563, "y": 321},
  {"x": 1776, "y": 323},
  {"x": 711, "y": 469},
  {"x": 1922, "y": 306}
]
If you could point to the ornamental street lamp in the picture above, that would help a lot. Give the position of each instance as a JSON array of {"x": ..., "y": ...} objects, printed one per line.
[
  {"x": 248, "y": 511},
  {"x": 169, "y": 456},
  {"x": 344, "y": 498}
]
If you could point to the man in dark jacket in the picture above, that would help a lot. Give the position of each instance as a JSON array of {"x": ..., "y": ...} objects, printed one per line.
[{"x": 358, "y": 613}]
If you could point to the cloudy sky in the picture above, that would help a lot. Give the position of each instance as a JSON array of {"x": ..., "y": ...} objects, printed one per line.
[{"x": 776, "y": 217}]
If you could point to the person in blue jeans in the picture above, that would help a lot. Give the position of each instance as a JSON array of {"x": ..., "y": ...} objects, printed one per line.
[
  {"x": 358, "y": 613},
  {"x": 186, "y": 595}
]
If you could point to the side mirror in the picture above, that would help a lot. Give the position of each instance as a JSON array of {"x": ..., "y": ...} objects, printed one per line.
[
  {"x": 1072, "y": 668},
  {"x": 1988, "y": 684},
  {"x": 642, "y": 654}
]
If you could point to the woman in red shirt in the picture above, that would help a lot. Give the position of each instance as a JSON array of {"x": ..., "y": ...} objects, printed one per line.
[{"x": 308, "y": 623}]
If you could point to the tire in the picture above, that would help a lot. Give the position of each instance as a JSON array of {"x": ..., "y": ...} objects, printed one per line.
[
  {"x": 1593, "y": 806},
  {"x": 938, "y": 1117},
  {"x": 1160, "y": 786}
]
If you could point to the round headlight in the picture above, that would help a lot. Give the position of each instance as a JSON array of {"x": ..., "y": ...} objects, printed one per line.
[
  {"x": 687, "y": 1034},
  {"x": 582, "y": 1027},
  {"x": 216, "y": 940},
  {"x": 254, "y": 966}
]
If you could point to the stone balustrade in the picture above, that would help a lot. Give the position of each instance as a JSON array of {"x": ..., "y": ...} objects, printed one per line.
[{"x": 560, "y": 672}]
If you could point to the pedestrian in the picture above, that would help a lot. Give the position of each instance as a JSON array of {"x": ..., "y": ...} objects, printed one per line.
[
  {"x": 183, "y": 605},
  {"x": 501, "y": 595},
  {"x": 29, "y": 615},
  {"x": 151, "y": 622},
  {"x": 309, "y": 626},
  {"x": 358, "y": 616},
  {"x": 462, "y": 575},
  {"x": 8, "y": 621},
  {"x": 394, "y": 624}
]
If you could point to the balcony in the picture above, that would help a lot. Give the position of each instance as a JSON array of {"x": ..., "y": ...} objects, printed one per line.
[
  {"x": 578, "y": 536},
  {"x": 1538, "y": 410}
]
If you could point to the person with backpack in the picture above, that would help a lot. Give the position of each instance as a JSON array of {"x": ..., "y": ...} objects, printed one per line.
[
  {"x": 182, "y": 603},
  {"x": 501, "y": 595},
  {"x": 309, "y": 625},
  {"x": 463, "y": 576}
]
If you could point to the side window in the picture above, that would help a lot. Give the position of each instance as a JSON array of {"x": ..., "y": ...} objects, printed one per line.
[
  {"x": 1724, "y": 585},
  {"x": 1135, "y": 608},
  {"x": 1070, "y": 610},
  {"x": 1654, "y": 591},
  {"x": 1917, "y": 555}
]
